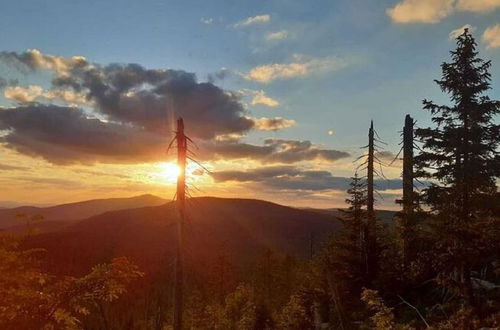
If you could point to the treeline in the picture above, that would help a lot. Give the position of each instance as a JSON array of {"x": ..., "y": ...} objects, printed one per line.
[{"x": 436, "y": 267}]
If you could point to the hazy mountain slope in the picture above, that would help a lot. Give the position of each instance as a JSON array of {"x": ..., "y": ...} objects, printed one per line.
[
  {"x": 76, "y": 211},
  {"x": 237, "y": 228},
  {"x": 385, "y": 216}
]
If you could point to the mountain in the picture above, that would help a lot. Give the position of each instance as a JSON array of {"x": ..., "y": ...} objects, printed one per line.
[
  {"x": 385, "y": 216},
  {"x": 59, "y": 215},
  {"x": 12, "y": 204},
  {"x": 239, "y": 229}
]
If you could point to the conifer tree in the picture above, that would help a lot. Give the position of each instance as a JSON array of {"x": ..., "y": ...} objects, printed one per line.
[
  {"x": 460, "y": 157},
  {"x": 344, "y": 261},
  {"x": 355, "y": 222}
]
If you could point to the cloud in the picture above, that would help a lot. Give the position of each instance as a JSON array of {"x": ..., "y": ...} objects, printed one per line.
[
  {"x": 6, "y": 167},
  {"x": 22, "y": 94},
  {"x": 133, "y": 115},
  {"x": 58, "y": 182},
  {"x": 273, "y": 124},
  {"x": 278, "y": 35},
  {"x": 32, "y": 93},
  {"x": 303, "y": 66},
  {"x": 259, "y": 19},
  {"x": 101, "y": 173},
  {"x": 457, "y": 32},
  {"x": 421, "y": 11},
  {"x": 221, "y": 74},
  {"x": 294, "y": 178},
  {"x": 492, "y": 36},
  {"x": 33, "y": 59},
  {"x": 146, "y": 98},
  {"x": 478, "y": 6},
  {"x": 433, "y": 11},
  {"x": 64, "y": 135},
  {"x": 207, "y": 21},
  {"x": 67, "y": 96},
  {"x": 153, "y": 98},
  {"x": 273, "y": 151},
  {"x": 259, "y": 97}
]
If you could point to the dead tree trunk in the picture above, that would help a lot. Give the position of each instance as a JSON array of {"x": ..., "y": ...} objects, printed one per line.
[
  {"x": 181, "y": 207},
  {"x": 370, "y": 185},
  {"x": 408, "y": 195},
  {"x": 370, "y": 246}
]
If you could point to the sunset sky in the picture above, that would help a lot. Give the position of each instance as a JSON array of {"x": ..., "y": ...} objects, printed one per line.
[{"x": 277, "y": 94}]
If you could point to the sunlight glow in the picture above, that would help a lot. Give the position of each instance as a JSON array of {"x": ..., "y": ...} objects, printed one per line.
[{"x": 169, "y": 172}]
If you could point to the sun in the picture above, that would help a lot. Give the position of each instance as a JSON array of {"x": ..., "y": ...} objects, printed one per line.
[{"x": 169, "y": 172}]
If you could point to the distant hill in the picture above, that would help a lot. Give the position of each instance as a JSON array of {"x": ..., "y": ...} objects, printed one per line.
[
  {"x": 237, "y": 228},
  {"x": 58, "y": 216},
  {"x": 385, "y": 216}
]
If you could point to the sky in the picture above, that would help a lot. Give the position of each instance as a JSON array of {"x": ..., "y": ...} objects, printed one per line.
[{"x": 277, "y": 95}]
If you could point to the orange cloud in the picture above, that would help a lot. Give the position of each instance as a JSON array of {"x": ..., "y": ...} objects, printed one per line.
[
  {"x": 492, "y": 36},
  {"x": 273, "y": 124},
  {"x": 478, "y": 6},
  {"x": 303, "y": 66},
  {"x": 421, "y": 11},
  {"x": 433, "y": 11}
]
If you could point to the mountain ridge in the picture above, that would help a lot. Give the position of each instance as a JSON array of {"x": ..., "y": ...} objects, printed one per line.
[
  {"x": 70, "y": 212},
  {"x": 239, "y": 228}
]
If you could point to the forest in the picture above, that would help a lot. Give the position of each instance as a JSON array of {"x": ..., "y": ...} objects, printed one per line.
[{"x": 433, "y": 265}]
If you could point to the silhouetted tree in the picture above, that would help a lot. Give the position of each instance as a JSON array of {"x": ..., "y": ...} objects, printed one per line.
[
  {"x": 355, "y": 223},
  {"x": 460, "y": 157}
]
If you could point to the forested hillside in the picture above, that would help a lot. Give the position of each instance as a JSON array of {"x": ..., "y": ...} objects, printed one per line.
[{"x": 251, "y": 264}]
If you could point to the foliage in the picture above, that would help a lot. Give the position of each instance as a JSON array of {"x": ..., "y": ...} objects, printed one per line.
[
  {"x": 383, "y": 317},
  {"x": 33, "y": 299}
]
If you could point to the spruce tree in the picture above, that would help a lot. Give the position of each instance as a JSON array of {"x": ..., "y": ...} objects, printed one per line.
[
  {"x": 460, "y": 157},
  {"x": 344, "y": 261},
  {"x": 355, "y": 223}
]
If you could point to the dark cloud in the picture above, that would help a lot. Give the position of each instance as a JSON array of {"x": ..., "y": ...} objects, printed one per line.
[
  {"x": 221, "y": 74},
  {"x": 290, "y": 151},
  {"x": 273, "y": 151},
  {"x": 66, "y": 184},
  {"x": 293, "y": 178},
  {"x": 65, "y": 135},
  {"x": 138, "y": 108},
  {"x": 152, "y": 99},
  {"x": 148, "y": 98}
]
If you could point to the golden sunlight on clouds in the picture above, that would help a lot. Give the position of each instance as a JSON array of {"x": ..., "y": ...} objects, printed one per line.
[
  {"x": 273, "y": 124},
  {"x": 260, "y": 98},
  {"x": 478, "y": 5},
  {"x": 302, "y": 66},
  {"x": 421, "y": 11},
  {"x": 68, "y": 96},
  {"x": 22, "y": 94},
  {"x": 492, "y": 36},
  {"x": 32, "y": 93},
  {"x": 60, "y": 65},
  {"x": 433, "y": 11}
]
